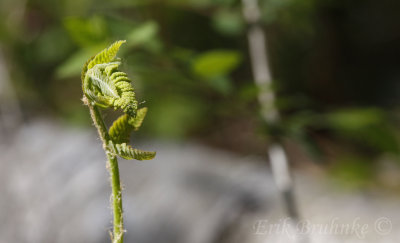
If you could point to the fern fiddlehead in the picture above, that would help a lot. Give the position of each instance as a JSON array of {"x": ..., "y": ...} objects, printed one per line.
[{"x": 104, "y": 86}]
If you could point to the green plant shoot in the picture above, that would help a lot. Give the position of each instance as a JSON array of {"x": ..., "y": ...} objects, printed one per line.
[{"x": 104, "y": 86}]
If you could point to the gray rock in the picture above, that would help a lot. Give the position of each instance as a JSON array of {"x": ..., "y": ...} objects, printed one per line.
[{"x": 54, "y": 188}]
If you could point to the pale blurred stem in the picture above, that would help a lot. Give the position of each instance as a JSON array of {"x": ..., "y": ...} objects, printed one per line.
[
  {"x": 263, "y": 79},
  {"x": 112, "y": 165}
]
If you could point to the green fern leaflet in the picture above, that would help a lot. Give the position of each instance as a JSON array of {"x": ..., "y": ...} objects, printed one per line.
[{"x": 105, "y": 86}]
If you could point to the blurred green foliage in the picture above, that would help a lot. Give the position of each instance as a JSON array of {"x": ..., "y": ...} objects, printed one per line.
[
  {"x": 353, "y": 172},
  {"x": 215, "y": 63},
  {"x": 331, "y": 60}
]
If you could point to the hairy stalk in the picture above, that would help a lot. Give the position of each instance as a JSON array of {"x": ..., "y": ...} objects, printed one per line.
[
  {"x": 104, "y": 86},
  {"x": 112, "y": 165},
  {"x": 116, "y": 199}
]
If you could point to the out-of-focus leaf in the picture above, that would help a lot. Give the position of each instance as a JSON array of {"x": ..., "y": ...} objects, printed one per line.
[
  {"x": 354, "y": 119},
  {"x": 142, "y": 34},
  {"x": 76, "y": 7},
  {"x": 228, "y": 22},
  {"x": 353, "y": 171},
  {"x": 216, "y": 63},
  {"x": 173, "y": 117},
  {"x": 221, "y": 84},
  {"x": 86, "y": 32},
  {"x": 182, "y": 55},
  {"x": 367, "y": 126},
  {"x": 201, "y": 3},
  {"x": 51, "y": 46}
]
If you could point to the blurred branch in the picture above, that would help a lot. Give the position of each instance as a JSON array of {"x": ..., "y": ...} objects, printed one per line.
[
  {"x": 262, "y": 76},
  {"x": 259, "y": 61}
]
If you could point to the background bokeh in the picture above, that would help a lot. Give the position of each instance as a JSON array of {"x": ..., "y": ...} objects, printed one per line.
[{"x": 335, "y": 65}]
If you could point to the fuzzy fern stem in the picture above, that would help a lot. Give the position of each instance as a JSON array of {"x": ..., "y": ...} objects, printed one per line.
[
  {"x": 104, "y": 86},
  {"x": 118, "y": 232},
  {"x": 112, "y": 165}
]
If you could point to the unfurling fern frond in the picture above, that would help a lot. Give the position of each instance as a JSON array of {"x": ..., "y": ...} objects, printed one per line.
[
  {"x": 107, "y": 87},
  {"x": 127, "y": 100},
  {"x": 107, "y": 55},
  {"x": 138, "y": 120},
  {"x": 120, "y": 130},
  {"x": 127, "y": 152},
  {"x": 125, "y": 124}
]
